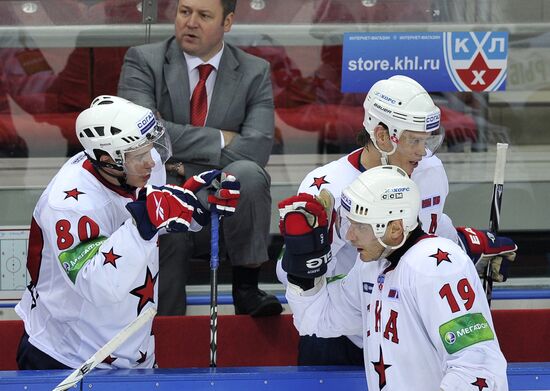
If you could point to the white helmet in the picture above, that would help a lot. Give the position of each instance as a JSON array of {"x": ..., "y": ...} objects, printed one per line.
[
  {"x": 116, "y": 126},
  {"x": 107, "y": 99},
  {"x": 402, "y": 104},
  {"x": 380, "y": 195}
]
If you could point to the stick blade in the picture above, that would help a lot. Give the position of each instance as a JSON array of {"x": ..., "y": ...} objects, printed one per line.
[{"x": 76, "y": 375}]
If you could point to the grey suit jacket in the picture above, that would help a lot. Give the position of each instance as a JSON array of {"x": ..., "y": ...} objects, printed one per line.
[{"x": 155, "y": 76}]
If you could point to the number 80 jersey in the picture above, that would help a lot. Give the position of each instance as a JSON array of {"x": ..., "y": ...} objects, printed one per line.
[{"x": 91, "y": 272}]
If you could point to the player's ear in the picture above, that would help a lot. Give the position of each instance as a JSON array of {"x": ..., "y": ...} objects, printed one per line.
[
  {"x": 105, "y": 158},
  {"x": 382, "y": 137},
  {"x": 395, "y": 232}
]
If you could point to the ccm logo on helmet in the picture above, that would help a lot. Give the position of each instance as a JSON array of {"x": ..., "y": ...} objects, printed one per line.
[
  {"x": 394, "y": 196},
  {"x": 395, "y": 193}
]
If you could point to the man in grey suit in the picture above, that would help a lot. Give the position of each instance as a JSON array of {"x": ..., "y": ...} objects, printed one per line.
[{"x": 236, "y": 137}]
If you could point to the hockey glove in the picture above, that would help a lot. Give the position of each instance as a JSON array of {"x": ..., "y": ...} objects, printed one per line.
[
  {"x": 485, "y": 248},
  {"x": 169, "y": 207},
  {"x": 305, "y": 228},
  {"x": 224, "y": 190}
]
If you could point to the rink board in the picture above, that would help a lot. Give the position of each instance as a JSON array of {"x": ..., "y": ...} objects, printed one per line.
[{"x": 521, "y": 377}]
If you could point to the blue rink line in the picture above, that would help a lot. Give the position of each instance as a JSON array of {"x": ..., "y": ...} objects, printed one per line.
[
  {"x": 521, "y": 377},
  {"x": 498, "y": 294}
]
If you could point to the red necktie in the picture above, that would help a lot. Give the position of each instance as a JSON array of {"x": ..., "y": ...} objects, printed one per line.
[{"x": 199, "y": 100}]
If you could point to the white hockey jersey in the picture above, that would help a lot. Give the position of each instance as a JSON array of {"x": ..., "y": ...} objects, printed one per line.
[
  {"x": 422, "y": 313},
  {"x": 91, "y": 272},
  {"x": 335, "y": 176}
]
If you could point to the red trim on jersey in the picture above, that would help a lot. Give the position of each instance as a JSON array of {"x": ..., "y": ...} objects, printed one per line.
[
  {"x": 88, "y": 166},
  {"x": 355, "y": 159},
  {"x": 34, "y": 255}
]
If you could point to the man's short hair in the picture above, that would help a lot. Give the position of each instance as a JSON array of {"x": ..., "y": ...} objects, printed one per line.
[{"x": 228, "y": 7}]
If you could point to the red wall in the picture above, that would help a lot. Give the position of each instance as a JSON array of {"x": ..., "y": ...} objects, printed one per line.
[{"x": 245, "y": 341}]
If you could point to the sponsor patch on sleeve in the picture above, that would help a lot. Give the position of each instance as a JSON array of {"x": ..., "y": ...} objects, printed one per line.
[
  {"x": 465, "y": 331},
  {"x": 74, "y": 259},
  {"x": 367, "y": 287}
]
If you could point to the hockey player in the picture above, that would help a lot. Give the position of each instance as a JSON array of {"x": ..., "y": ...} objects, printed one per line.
[
  {"x": 416, "y": 298},
  {"x": 93, "y": 254},
  {"x": 401, "y": 128}
]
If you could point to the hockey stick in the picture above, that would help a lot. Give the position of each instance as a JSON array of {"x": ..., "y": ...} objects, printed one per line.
[
  {"x": 214, "y": 262},
  {"x": 494, "y": 218},
  {"x": 106, "y": 350}
]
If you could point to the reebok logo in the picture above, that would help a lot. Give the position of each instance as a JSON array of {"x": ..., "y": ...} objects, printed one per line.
[{"x": 159, "y": 212}]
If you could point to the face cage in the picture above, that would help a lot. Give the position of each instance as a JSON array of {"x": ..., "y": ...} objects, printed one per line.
[{"x": 160, "y": 153}]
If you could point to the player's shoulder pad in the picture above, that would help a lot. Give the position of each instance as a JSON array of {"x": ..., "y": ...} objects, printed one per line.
[{"x": 435, "y": 256}]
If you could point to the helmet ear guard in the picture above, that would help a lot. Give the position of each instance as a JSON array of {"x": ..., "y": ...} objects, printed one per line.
[{"x": 400, "y": 103}]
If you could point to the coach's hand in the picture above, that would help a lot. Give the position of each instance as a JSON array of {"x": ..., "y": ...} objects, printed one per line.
[{"x": 485, "y": 248}]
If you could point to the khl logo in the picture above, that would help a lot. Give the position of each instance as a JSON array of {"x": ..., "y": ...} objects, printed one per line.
[{"x": 476, "y": 61}]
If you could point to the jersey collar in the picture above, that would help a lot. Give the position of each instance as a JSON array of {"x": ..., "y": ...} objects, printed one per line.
[
  {"x": 416, "y": 235},
  {"x": 88, "y": 166},
  {"x": 355, "y": 160}
]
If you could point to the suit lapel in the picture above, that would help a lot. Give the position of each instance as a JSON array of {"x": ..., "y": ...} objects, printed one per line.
[
  {"x": 177, "y": 81},
  {"x": 227, "y": 81}
]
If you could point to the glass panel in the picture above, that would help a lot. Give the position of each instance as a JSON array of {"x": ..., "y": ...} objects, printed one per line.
[{"x": 56, "y": 55}]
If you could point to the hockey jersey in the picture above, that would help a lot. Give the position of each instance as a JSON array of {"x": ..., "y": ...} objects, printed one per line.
[
  {"x": 422, "y": 313},
  {"x": 91, "y": 272},
  {"x": 335, "y": 176}
]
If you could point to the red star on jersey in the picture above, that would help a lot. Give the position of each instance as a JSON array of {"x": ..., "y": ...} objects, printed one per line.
[
  {"x": 480, "y": 383},
  {"x": 441, "y": 256},
  {"x": 318, "y": 182},
  {"x": 479, "y": 76},
  {"x": 380, "y": 369},
  {"x": 110, "y": 257},
  {"x": 142, "y": 358},
  {"x": 109, "y": 359},
  {"x": 74, "y": 193},
  {"x": 146, "y": 292}
]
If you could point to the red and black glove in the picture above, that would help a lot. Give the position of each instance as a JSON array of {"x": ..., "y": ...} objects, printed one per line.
[
  {"x": 485, "y": 248},
  {"x": 169, "y": 207},
  {"x": 224, "y": 190},
  {"x": 305, "y": 227}
]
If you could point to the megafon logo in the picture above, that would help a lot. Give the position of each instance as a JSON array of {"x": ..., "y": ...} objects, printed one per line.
[{"x": 476, "y": 61}]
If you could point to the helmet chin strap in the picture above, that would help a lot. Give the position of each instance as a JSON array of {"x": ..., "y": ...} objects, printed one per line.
[
  {"x": 384, "y": 156},
  {"x": 100, "y": 166}
]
